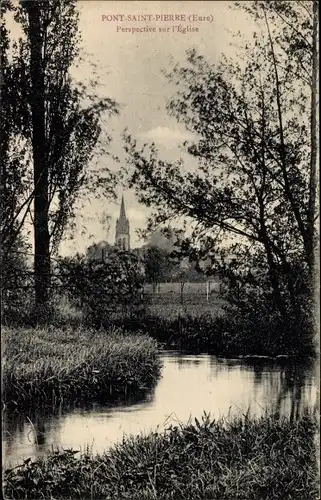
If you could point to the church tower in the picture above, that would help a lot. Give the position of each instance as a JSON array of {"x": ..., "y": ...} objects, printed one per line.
[{"x": 122, "y": 229}]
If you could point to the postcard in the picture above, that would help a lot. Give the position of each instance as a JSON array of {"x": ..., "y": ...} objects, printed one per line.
[{"x": 159, "y": 244}]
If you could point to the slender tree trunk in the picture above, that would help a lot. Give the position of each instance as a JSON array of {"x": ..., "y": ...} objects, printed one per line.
[
  {"x": 313, "y": 164},
  {"x": 37, "y": 102},
  {"x": 182, "y": 292},
  {"x": 272, "y": 269},
  {"x": 275, "y": 283},
  {"x": 283, "y": 156}
]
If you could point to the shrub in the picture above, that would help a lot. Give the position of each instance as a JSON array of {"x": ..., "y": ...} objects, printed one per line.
[
  {"x": 16, "y": 284},
  {"x": 103, "y": 287},
  {"x": 225, "y": 335}
]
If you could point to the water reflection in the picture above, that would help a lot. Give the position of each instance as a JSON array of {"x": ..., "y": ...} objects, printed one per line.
[{"x": 189, "y": 386}]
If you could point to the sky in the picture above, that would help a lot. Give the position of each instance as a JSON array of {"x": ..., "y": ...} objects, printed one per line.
[{"x": 129, "y": 69}]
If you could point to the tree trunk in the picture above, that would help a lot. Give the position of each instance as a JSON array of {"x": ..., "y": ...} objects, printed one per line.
[
  {"x": 182, "y": 292},
  {"x": 37, "y": 103},
  {"x": 313, "y": 164},
  {"x": 273, "y": 274}
]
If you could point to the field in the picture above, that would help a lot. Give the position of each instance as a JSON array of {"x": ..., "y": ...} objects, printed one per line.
[
  {"x": 189, "y": 288},
  {"x": 168, "y": 302},
  {"x": 241, "y": 459},
  {"x": 51, "y": 365}
]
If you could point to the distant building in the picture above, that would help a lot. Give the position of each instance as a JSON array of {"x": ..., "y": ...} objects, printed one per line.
[
  {"x": 98, "y": 251},
  {"x": 122, "y": 238},
  {"x": 159, "y": 240}
]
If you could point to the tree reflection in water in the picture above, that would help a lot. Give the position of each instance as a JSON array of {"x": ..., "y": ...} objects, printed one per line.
[
  {"x": 36, "y": 430},
  {"x": 282, "y": 386},
  {"x": 290, "y": 385}
]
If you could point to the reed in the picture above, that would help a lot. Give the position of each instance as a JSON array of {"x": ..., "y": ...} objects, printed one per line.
[
  {"x": 243, "y": 458},
  {"x": 221, "y": 335},
  {"x": 50, "y": 365}
]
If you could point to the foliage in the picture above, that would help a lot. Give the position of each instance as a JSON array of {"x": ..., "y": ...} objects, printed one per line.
[
  {"x": 16, "y": 283},
  {"x": 250, "y": 202},
  {"x": 221, "y": 334},
  {"x": 40, "y": 369},
  {"x": 52, "y": 130},
  {"x": 72, "y": 277},
  {"x": 241, "y": 458},
  {"x": 103, "y": 286},
  {"x": 74, "y": 113},
  {"x": 162, "y": 266},
  {"x": 158, "y": 265},
  {"x": 14, "y": 179}
]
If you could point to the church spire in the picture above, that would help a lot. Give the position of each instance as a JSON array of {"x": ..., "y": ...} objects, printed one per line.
[
  {"x": 122, "y": 239},
  {"x": 122, "y": 209}
]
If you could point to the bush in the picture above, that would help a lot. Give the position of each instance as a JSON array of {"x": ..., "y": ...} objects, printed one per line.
[
  {"x": 224, "y": 335},
  {"x": 16, "y": 284},
  {"x": 105, "y": 287}
]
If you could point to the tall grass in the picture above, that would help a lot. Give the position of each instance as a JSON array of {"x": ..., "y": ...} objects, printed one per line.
[
  {"x": 244, "y": 458},
  {"x": 50, "y": 365},
  {"x": 221, "y": 335}
]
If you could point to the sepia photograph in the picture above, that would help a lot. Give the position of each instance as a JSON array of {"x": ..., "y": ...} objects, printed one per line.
[{"x": 159, "y": 188}]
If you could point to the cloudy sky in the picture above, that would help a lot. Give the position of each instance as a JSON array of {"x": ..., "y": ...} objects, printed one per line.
[{"x": 128, "y": 67}]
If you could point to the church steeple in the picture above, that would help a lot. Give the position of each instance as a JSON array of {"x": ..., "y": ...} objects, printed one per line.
[
  {"x": 122, "y": 239},
  {"x": 122, "y": 209}
]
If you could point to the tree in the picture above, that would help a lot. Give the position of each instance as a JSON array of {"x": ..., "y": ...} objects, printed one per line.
[
  {"x": 251, "y": 201},
  {"x": 15, "y": 279},
  {"x": 40, "y": 166},
  {"x": 158, "y": 266},
  {"x": 294, "y": 43},
  {"x": 14, "y": 181},
  {"x": 181, "y": 274},
  {"x": 59, "y": 121}
]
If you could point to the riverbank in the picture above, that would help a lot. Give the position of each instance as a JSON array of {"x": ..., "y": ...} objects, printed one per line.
[
  {"x": 196, "y": 327},
  {"x": 221, "y": 335},
  {"x": 49, "y": 365},
  {"x": 242, "y": 458}
]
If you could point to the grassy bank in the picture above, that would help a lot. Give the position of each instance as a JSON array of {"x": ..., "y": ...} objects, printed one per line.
[
  {"x": 50, "y": 365},
  {"x": 210, "y": 324},
  {"x": 222, "y": 335},
  {"x": 197, "y": 326},
  {"x": 247, "y": 459}
]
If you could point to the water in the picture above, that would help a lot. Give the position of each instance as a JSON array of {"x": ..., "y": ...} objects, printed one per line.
[{"x": 189, "y": 385}]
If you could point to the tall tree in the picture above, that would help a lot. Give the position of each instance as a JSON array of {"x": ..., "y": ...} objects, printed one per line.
[
  {"x": 253, "y": 196},
  {"x": 60, "y": 121},
  {"x": 40, "y": 165},
  {"x": 14, "y": 181},
  {"x": 292, "y": 29}
]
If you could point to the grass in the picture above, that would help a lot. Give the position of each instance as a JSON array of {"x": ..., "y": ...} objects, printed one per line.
[
  {"x": 199, "y": 326},
  {"x": 50, "y": 365},
  {"x": 167, "y": 302},
  {"x": 170, "y": 307},
  {"x": 222, "y": 335},
  {"x": 247, "y": 458}
]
